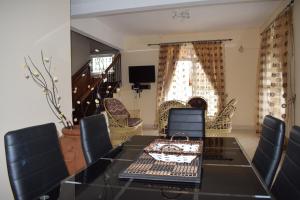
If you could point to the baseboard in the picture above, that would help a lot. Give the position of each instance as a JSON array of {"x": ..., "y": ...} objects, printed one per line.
[
  {"x": 149, "y": 126},
  {"x": 243, "y": 127}
]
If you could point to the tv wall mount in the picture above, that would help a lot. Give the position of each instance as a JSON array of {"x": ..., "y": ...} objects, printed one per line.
[{"x": 140, "y": 87}]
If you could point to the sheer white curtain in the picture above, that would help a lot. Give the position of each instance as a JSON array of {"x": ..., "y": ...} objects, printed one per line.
[
  {"x": 189, "y": 79},
  {"x": 275, "y": 77}
]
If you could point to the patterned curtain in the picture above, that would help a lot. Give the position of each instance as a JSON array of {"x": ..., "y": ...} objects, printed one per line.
[
  {"x": 168, "y": 56},
  {"x": 275, "y": 68},
  {"x": 210, "y": 56}
]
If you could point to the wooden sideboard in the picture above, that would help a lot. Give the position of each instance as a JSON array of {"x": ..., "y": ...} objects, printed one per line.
[{"x": 72, "y": 153}]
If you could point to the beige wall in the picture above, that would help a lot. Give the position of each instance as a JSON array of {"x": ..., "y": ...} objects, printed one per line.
[
  {"x": 80, "y": 51},
  {"x": 240, "y": 71},
  {"x": 26, "y": 28},
  {"x": 283, "y": 4},
  {"x": 297, "y": 58},
  {"x": 146, "y": 101}
]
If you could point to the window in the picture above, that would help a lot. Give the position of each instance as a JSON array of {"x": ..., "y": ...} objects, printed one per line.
[
  {"x": 99, "y": 63},
  {"x": 189, "y": 79},
  {"x": 180, "y": 88}
]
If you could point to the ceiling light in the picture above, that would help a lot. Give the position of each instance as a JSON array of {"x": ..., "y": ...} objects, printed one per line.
[
  {"x": 96, "y": 50},
  {"x": 181, "y": 15}
]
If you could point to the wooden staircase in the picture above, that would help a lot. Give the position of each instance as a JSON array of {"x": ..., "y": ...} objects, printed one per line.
[{"x": 87, "y": 89}]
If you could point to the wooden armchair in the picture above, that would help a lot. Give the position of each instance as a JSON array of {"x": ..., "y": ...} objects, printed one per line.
[
  {"x": 222, "y": 123},
  {"x": 122, "y": 123},
  {"x": 163, "y": 113}
]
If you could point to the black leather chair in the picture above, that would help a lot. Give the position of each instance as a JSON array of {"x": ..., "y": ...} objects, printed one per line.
[
  {"x": 34, "y": 160},
  {"x": 269, "y": 150},
  {"x": 94, "y": 138},
  {"x": 287, "y": 182},
  {"x": 190, "y": 121}
]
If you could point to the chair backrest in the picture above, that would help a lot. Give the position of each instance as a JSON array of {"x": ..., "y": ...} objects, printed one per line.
[
  {"x": 287, "y": 183},
  {"x": 223, "y": 119},
  {"x": 228, "y": 110},
  {"x": 197, "y": 102},
  {"x": 190, "y": 121},
  {"x": 163, "y": 112},
  {"x": 34, "y": 160},
  {"x": 115, "y": 107},
  {"x": 94, "y": 138},
  {"x": 167, "y": 105},
  {"x": 269, "y": 150}
]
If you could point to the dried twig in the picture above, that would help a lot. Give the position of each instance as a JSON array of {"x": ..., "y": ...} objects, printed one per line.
[{"x": 47, "y": 82}]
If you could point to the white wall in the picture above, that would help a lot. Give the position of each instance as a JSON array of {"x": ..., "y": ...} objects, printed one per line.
[
  {"x": 240, "y": 71},
  {"x": 297, "y": 58},
  {"x": 95, "y": 29},
  {"x": 26, "y": 28}
]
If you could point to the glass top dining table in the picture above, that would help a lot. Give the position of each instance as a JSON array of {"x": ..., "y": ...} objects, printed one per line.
[{"x": 226, "y": 174}]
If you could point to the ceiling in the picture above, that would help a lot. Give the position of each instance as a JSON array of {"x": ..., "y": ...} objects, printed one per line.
[{"x": 203, "y": 18}]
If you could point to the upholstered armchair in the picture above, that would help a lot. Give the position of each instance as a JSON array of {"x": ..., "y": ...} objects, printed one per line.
[
  {"x": 122, "y": 123},
  {"x": 222, "y": 123},
  {"x": 163, "y": 113}
]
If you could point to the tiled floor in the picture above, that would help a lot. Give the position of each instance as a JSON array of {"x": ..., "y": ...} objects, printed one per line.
[{"x": 248, "y": 139}]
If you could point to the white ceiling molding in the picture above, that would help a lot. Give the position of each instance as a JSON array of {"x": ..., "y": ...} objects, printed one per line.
[
  {"x": 110, "y": 21},
  {"x": 92, "y": 8},
  {"x": 210, "y": 18}
]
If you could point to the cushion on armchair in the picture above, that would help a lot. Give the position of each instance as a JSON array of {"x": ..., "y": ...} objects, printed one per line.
[
  {"x": 115, "y": 107},
  {"x": 134, "y": 121},
  {"x": 123, "y": 123},
  {"x": 120, "y": 116}
]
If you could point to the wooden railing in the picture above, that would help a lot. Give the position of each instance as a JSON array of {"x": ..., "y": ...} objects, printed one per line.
[
  {"x": 113, "y": 72},
  {"x": 86, "y": 88}
]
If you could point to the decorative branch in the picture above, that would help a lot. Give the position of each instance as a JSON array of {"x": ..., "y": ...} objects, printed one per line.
[{"x": 45, "y": 80}]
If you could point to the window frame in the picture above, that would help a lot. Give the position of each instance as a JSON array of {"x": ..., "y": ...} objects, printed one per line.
[{"x": 99, "y": 55}]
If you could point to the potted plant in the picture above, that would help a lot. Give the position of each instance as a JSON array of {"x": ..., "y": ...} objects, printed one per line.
[{"x": 43, "y": 77}]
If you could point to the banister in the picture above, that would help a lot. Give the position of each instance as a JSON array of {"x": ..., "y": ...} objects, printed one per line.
[
  {"x": 98, "y": 81},
  {"x": 79, "y": 72},
  {"x": 88, "y": 92},
  {"x": 116, "y": 59}
]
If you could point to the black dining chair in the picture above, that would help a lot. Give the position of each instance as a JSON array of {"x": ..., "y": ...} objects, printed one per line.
[
  {"x": 34, "y": 161},
  {"x": 269, "y": 150},
  {"x": 287, "y": 182},
  {"x": 187, "y": 121},
  {"x": 94, "y": 138}
]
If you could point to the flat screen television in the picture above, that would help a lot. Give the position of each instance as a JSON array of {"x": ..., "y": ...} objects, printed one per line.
[{"x": 141, "y": 74}]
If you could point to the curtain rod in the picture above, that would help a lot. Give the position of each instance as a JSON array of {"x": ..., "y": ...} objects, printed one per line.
[
  {"x": 204, "y": 41},
  {"x": 287, "y": 7}
]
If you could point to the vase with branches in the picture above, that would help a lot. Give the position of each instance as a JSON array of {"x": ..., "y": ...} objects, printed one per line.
[{"x": 44, "y": 78}]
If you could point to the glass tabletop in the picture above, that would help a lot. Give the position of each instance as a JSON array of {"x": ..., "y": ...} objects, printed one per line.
[
  {"x": 210, "y": 142},
  {"x": 226, "y": 174},
  {"x": 224, "y": 151},
  {"x": 84, "y": 192}
]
